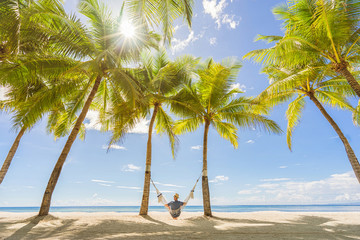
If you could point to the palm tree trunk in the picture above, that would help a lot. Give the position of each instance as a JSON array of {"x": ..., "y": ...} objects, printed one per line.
[
  {"x": 11, "y": 154},
  {"x": 349, "y": 151},
  {"x": 146, "y": 192},
  {"x": 45, "y": 205},
  {"x": 205, "y": 180},
  {"x": 343, "y": 70}
]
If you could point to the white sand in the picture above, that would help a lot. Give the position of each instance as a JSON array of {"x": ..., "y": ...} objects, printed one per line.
[{"x": 249, "y": 226}]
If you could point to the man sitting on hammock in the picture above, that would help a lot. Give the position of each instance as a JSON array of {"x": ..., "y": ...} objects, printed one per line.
[{"x": 175, "y": 207}]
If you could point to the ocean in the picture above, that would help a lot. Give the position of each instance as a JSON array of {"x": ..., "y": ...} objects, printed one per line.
[{"x": 215, "y": 208}]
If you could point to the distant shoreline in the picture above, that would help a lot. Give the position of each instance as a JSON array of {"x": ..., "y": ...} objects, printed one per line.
[{"x": 215, "y": 208}]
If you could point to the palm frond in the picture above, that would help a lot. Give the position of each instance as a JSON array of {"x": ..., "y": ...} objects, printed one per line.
[
  {"x": 293, "y": 115},
  {"x": 227, "y": 131},
  {"x": 250, "y": 120},
  {"x": 164, "y": 124},
  {"x": 187, "y": 125},
  {"x": 333, "y": 99},
  {"x": 268, "y": 39}
]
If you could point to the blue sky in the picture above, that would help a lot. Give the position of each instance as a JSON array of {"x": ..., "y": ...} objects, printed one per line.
[{"x": 261, "y": 171}]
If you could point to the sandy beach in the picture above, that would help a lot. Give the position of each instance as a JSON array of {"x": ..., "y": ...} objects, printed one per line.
[{"x": 159, "y": 225}]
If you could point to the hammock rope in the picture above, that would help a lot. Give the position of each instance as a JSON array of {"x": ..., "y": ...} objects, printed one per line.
[{"x": 161, "y": 198}]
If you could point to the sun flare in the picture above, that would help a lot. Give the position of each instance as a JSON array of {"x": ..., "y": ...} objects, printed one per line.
[{"x": 127, "y": 29}]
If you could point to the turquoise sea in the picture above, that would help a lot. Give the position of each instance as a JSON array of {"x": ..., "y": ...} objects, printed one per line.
[{"x": 227, "y": 208}]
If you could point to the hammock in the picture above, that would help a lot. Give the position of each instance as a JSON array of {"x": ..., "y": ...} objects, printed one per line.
[{"x": 161, "y": 198}]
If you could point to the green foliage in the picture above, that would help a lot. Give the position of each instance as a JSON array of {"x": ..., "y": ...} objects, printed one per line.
[
  {"x": 214, "y": 99},
  {"x": 297, "y": 84},
  {"x": 159, "y": 79},
  {"x": 315, "y": 30},
  {"x": 160, "y": 13},
  {"x": 56, "y": 75}
]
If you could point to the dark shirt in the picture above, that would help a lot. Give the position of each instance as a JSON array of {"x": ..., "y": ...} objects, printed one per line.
[
  {"x": 174, "y": 205},
  {"x": 175, "y": 208}
]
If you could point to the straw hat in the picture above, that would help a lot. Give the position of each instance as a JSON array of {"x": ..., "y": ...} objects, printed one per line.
[{"x": 176, "y": 195}]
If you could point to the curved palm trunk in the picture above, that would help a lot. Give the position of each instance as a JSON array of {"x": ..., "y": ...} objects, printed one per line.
[
  {"x": 349, "y": 151},
  {"x": 11, "y": 154},
  {"x": 350, "y": 78},
  {"x": 45, "y": 205},
  {"x": 205, "y": 180},
  {"x": 146, "y": 192}
]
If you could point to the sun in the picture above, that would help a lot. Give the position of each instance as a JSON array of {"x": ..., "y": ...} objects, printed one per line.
[{"x": 127, "y": 29}]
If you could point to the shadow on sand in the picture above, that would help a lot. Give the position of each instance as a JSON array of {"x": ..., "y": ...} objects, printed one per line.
[
  {"x": 199, "y": 227},
  {"x": 22, "y": 232}
]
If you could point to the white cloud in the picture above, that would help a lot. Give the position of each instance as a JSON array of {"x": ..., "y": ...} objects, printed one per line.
[
  {"x": 130, "y": 168},
  {"x": 126, "y": 187},
  {"x": 250, "y": 191},
  {"x": 212, "y": 41},
  {"x": 179, "y": 45},
  {"x": 221, "y": 178},
  {"x": 177, "y": 27},
  {"x": 338, "y": 188},
  {"x": 106, "y": 185},
  {"x": 114, "y": 146},
  {"x": 215, "y": 9},
  {"x": 197, "y": 147},
  {"x": 250, "y": 141},
  {"x": 239, "y": 86},
  {"x": 343, "y": 197},
  {"x": 269, "y": 185},
  {"x": 274, "y": 179},
  {"x": 141, "y": 127},
  {"x": 283, "y": 166},
  {"x": 101, "y": 181},
  {"x": 93, "y": 117},
  {"x": 226, "y": 19}
]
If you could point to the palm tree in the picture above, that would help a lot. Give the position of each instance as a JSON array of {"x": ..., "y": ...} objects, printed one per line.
[
  {"x": 161, "y": 12},
  {"x": 105, "y": 51},
  {"x": 29, "y": 101},
  {"x": 11, "y": 154},
  {"x": 212, "y": 101},
  {"x": 5, "y": 105},
  {"x": 316, "y": 29},
  {"x": 321, "y": 86},
  {"x": 21, "y": 35},
  {"x": 159, "y": 79},
  {"x": 99, "y": 54}
]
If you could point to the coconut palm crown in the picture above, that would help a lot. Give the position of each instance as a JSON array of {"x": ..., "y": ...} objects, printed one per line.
[
  {"x": 321, "y": 86},
  {"x": 213, "y": 101},
  {"x": 30, "y": 94},
  {"x": 326, "y": 30}
]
